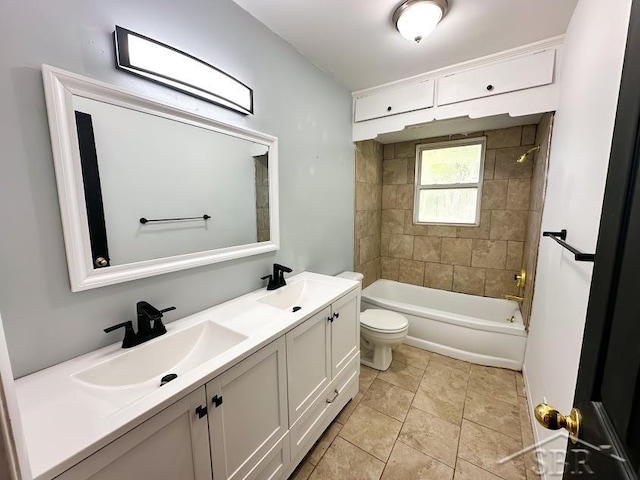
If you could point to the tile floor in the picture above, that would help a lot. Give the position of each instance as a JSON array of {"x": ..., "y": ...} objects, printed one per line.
[{"x": 427, "y": 417}]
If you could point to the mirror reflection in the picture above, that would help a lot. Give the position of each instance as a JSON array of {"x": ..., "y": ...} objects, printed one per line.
[{"x": 156, "y": 187}]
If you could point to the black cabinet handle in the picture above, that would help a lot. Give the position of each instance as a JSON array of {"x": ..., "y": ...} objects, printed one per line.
[
  {"x": 489, "y": 87},
  {"x": 330, "y": 318},
  {"x": 201, "y": 411},
  {"x": 388, "y": 108},
  {"x": 336, "y": 315},
  {"x": 217, "y": 401}
]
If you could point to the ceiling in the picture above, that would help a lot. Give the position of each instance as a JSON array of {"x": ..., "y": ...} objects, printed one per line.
[{"x": 355, "y": 42}]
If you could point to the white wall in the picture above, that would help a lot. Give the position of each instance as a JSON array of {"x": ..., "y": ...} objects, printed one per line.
[
  {"x": 45, "y": 323},
  {"x": 153, "y": 167},
  {"x": 583, "y": 129}
]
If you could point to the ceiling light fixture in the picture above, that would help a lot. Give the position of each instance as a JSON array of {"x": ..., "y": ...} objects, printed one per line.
[{"x": 415, "y": 19}]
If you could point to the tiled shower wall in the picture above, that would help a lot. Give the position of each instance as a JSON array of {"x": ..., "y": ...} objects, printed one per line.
[
  {"x": 262, "y": 197},
  {"x": 478, "y": 260},
  {"x": 538, "y": 188},
  {"x": 368, "y": 210}
]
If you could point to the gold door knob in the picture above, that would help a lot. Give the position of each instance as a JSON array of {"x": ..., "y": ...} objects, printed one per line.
[
  {"x": 550, "y": 418},
  {"x": 101, "y": 262},
  {"x": 521, "y": 278}
]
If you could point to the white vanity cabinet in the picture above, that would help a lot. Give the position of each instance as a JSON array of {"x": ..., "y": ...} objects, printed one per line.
[
  {"x": 323, "y": 364},
  {"x": 170, "y": 445},
  {"x": 248, "y": 419}
]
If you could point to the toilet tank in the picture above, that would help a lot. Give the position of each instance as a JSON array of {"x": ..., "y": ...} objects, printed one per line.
[{"x": 355, "y": 276}]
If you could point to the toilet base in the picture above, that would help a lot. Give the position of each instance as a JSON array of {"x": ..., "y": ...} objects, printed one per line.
[{"x": 378, "y": 358}]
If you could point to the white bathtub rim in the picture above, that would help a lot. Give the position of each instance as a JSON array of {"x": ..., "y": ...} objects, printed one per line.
[
  {"x": 515, "y": 329},
  {"x": 463, "y": 355}
]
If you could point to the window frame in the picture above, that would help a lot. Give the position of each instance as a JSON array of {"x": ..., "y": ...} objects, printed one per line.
[{"x": 418, "y": 187}]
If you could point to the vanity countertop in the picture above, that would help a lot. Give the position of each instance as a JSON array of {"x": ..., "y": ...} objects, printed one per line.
[{"x": 66, "y": 419}]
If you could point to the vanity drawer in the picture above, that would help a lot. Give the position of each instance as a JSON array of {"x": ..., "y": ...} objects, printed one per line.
[
  {"x": 398, "y": 100},
  {"x": 518, "y": 74}
]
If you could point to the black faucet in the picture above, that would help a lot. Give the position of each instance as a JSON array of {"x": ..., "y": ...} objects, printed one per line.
[
  {"x": 147, "y": 313},
  {"x": 276, "y": 280}
]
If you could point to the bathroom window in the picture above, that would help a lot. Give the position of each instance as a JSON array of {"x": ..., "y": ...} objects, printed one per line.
[{"x": 449, "y": 182}]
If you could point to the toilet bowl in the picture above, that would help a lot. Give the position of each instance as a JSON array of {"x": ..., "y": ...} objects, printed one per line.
[{"x": 380, "y": 331}]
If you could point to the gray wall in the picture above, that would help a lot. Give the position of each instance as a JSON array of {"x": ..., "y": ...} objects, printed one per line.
[{"x": 45, "y": 323}]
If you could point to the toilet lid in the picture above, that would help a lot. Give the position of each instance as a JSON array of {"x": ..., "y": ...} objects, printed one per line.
[{"x": 383, "y": 320}]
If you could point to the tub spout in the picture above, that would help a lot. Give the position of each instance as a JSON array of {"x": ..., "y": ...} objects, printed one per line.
[{"x": 515, "y": 298}]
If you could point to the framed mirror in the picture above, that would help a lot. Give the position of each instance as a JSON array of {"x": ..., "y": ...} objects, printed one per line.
[{"x": 147, "y": 188}]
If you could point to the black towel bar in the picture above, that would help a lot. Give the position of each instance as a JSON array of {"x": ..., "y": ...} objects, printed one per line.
[
  {"x": 144, "y": 220},
  {"x": 560, "y": 237}
]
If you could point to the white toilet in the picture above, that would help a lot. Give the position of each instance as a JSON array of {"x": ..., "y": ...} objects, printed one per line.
[{"x": 380, "y": 331}]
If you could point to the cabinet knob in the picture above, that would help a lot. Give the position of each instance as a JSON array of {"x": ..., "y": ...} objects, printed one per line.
[
  {"x": 336, "y": 315},
  {"x": 388, "y": 108},
  {"x": 217, "y": 401},
  {"x": 201, "y": 411},
  {"x": 101, "y": 262},
  {"x": 489, "y": 87}
]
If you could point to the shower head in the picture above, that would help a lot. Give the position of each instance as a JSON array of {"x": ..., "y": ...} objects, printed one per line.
[{"x": 524, "y": 156}]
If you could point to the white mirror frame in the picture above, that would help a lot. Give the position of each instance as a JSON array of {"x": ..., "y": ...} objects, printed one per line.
[{"x": 60, "y": 86}]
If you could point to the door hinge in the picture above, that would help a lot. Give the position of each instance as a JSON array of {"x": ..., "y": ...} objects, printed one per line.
[
  {"x": 217, "y": 401},
  {"x": 201, "y": 411}
]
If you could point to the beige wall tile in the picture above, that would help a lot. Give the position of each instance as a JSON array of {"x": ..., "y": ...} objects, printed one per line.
[
  {"x": 405, "y": 150},
  {"x": 514, "y": 255},
  {"x": 372, "y": 270},
  {"x": 411, "y": 271},
  {"x": 499, "y": 283},
  {"x": 401, "y": 246},
  {"x": 388, "y": 151},
  {"x": 384, "y": 244},
  {"x": 507, "y": 165},
  {"x": 394, "y": 172},
  {"x": 412, "y": 229},
  {"x": 442, "y": 231},
  {"x": 528, "y": 135},
  {"x": 494, "y": 194},
  {"x": 389, "y": 195},
  {"x": 367, "y": 223},
  {"x": 437, "y": 275},
  {"x": 392, "y": 221},
  {"x": 397, "y": 196},
  {"x": 369, "y": 248},
  {"x": 390, "y": 268},
  {"x": 508, "y": 225},
  {"x": 505, "y": 137},
  {"x": 411, "y": 171},
  {"x": 365, "y": 196},
  {"x": 456, "y": 251},
  {"x": 518, "y": 194},
  {"x": 468, "y": 280},
  {"x": 426, "y": 249},
  {"x": 482, "y": 231},
  {"x": 489, "y": 253},
  {"x": 489, "y": 164}
]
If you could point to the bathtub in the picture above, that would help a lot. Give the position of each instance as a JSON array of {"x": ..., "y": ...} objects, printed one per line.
[{"x": 467, "y": 327}]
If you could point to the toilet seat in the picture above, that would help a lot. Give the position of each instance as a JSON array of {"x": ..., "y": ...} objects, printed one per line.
[{"x": 383, "y": 321}]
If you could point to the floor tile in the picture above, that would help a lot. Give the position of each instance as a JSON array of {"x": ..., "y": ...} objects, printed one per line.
[
  {"x": 485, "y": 448},
  {"x": 406, "y": 463},
  {"x": 320, "y": 448},
  {"x": 438, "y": 374},
  {"x": 468, "y": 471},
  {"x": 520, "y": 385},
  {"x": 344, "y": 461},
  {"x": 441, "y": 400},
  {"x": 402, "y": 375},
  {"x": 492, "y": 413},
  {"x": 303, "y": 471},
  {"x": 431, "y": 435},
  {"x": 416, "y": 357},
  {"x": 523, "y": 412},
  {"x": 388, "y": 399},
  {"x": 367, "y": 376},
  {"x": 451, "y": 362},
  {"x": 345, "y": 413},
  {"x": 372, "y": 431},
  {"x": 496, "y": 383}
]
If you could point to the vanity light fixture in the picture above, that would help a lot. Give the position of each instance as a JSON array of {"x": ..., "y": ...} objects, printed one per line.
[
  {"x": 161, "y": 63},
  {"x": 415, "y": 19}
]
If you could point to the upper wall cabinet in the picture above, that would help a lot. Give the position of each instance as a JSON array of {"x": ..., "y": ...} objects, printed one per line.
[
  {"x": 398, "y": 100},
  {"x": 147, "y": 188},
  {"x": 526, "y": 72}
]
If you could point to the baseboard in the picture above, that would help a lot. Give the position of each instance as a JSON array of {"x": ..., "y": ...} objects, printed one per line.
[{"x": 532, "y": 418}]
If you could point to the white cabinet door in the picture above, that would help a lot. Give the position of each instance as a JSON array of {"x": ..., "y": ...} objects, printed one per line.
[
  {"x": 248, "y": 412},
  {"x": 345, "y": 331},
  {"x": 399, "y": 100},
  {"x": 508, "y": 76},
  {"x": 308, "y": 362},
  {"x": 171, "y": 445}
]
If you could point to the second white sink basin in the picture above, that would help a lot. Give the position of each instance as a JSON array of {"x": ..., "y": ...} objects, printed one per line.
[{"x": 173, "y": 353}]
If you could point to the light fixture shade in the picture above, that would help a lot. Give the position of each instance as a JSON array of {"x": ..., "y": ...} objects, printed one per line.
[
  {"x": 415, "y": 19},
  {"x": 161, "y": 63}
]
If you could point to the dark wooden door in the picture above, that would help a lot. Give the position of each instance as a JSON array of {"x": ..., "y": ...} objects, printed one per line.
[{"x": 608, "y": 388}]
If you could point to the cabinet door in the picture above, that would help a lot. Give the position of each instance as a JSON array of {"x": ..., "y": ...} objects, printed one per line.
[
  {"x": 345, "y": 331},
  {"x": 399, "y": 100},
  {"x": 308, "y": 362},
  {"x": 248, "y": 412},
  {"x": 172, "y": 444},
  {"x": 508, "y": 76}
]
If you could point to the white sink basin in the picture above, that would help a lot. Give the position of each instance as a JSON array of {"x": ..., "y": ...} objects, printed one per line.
[
  {"x": 173, "y": 353},
  {"x": 295, "y": 294}
]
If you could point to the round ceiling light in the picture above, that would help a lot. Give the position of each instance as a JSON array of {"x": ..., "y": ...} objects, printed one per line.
[{"x": 415, "y": 19}]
